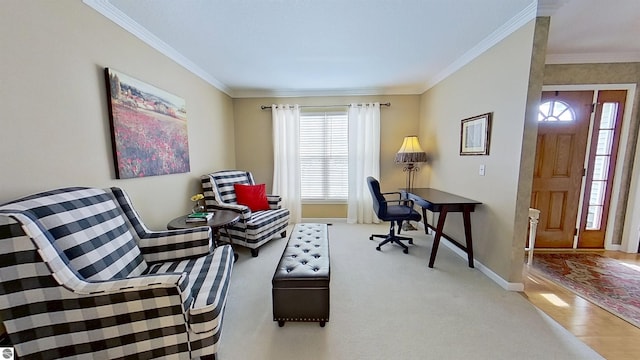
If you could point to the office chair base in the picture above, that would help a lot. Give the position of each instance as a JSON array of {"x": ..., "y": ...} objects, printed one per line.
[{"x": 393, "y": 239}]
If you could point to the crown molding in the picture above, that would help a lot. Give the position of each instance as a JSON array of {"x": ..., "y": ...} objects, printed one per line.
[
  {"x": 105, "y": 8},
  {"x": 593, "y": 58},
  {"x": 257, "y": 93},
  {"x": 523, "y": 17}
]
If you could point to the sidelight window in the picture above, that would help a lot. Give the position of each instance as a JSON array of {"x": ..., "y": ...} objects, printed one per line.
[{"x": 601, "y": 165}]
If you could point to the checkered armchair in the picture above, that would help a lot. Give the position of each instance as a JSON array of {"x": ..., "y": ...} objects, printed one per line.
[
  {"x": 254, "y": 228},
  {"x": 82, "y": 277}
]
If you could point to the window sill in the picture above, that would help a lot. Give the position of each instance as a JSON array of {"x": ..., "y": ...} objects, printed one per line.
[{"x": 324, "y": 202}]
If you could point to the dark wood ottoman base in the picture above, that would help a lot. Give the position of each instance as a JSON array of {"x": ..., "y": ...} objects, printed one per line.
[{"x": 301, "y": 280}]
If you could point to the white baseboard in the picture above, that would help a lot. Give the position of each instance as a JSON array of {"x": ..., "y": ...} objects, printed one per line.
[
  {"x": 509, "y": 286},
  {"x": 613, "y": 247}
]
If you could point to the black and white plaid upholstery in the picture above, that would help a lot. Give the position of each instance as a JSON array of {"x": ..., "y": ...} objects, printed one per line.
[
  {"x": 254, "y": 228},
  {"x": 81, "y": 277}
]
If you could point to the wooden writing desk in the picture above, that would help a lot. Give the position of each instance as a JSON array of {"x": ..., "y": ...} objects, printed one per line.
[{"x": 443, "y": 203}]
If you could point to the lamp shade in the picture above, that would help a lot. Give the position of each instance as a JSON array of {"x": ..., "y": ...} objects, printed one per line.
[{"x": 410, "y": 151}]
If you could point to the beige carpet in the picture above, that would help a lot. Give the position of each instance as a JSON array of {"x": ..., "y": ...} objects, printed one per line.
[{"x": 390, "y": 305}]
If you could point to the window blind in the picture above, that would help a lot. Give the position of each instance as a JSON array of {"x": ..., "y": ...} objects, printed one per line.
[{"x": 324, "y": 156}]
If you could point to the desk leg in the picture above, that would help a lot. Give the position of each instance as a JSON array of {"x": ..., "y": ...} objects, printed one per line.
[
  {"x": 438, "y": 235},
  {"x": 424, "y": 220},
  {"x": 466, "y": 217}
]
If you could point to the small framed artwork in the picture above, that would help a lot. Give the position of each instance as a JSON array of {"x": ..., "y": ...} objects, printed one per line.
[
  {"x": 474, "y": 135},
  {"x": 148, "y": 128}
]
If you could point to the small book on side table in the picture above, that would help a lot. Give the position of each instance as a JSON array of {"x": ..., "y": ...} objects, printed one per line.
[{"x": 199, "y": 217}]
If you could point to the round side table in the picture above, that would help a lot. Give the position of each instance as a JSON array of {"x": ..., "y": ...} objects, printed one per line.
[{"x": 220, "y": 220}]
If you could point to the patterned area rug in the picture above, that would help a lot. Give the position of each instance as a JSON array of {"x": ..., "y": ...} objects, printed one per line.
[{"x": 605, "y": 282}]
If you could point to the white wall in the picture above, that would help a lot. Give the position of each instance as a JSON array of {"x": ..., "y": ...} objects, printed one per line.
[
  {"x": 54, "y": 125},
  {"x": 497, "y": 82}
]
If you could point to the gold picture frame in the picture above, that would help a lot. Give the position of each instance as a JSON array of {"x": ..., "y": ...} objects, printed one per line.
[{"x": 475, "y": 133}]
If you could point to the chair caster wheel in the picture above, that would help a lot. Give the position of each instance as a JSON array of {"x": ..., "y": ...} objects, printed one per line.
[
  {"x": 411, "y": 242},
  {"x": 370, "y": 237},
  {"x": 406, "y": 251},
  {"x": 378, "y": 248}
]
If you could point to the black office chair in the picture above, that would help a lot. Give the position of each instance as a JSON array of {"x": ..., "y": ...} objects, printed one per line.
[{"x": 395, "y": 214}]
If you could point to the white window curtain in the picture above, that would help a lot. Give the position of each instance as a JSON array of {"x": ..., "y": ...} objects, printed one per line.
[
  {"x": 364, "y": 160},
  {"x": 286, "y": 158}
]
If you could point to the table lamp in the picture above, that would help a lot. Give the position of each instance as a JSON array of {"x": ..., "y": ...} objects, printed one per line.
[{"x": 409, "y": 154}]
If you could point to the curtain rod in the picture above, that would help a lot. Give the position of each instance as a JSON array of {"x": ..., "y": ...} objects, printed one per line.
[{"x": 264, "y": 107}]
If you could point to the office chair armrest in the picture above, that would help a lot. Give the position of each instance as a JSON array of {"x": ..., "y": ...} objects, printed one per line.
[
  {"x": 406, "y": 202},
  {"x": 392, "y": 193}
]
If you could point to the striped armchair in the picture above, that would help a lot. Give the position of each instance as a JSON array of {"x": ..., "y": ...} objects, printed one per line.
[
  {"x": 82, "y": 277},
  {"x": 254, "y": 228}
]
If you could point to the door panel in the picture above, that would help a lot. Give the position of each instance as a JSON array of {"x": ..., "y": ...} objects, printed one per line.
[
  {"x": 562, "y": 164},
  {"x": 558, "y": 169},
  {"x": 556, "y": 210}
]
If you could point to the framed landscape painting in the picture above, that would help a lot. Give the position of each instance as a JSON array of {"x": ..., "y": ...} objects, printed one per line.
[{"x": 148, "y": 128}]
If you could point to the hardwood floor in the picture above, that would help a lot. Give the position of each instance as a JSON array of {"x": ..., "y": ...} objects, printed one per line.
[{"x": 610, "y": 336}]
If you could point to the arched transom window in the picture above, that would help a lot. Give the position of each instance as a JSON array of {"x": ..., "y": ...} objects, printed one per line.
[{"x": 556, "y": 111}]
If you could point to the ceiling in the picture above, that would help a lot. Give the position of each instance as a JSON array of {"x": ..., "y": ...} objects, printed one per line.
[{"x": 250, "y": 48}]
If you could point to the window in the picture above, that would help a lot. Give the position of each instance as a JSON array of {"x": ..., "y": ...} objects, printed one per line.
[
  {"x": 601, "y": 165},
  {"x": 555, "y": 111},
  {"x": 324, "y": 156}
]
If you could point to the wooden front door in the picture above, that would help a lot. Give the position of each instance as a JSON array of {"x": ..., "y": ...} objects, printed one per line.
[{"x": 563, "y": 126}]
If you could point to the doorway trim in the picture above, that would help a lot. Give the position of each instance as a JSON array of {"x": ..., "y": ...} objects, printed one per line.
[{"x": 630, "y": 238}]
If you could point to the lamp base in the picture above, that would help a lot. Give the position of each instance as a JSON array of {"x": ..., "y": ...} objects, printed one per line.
[{"x": 407, "y": 226}]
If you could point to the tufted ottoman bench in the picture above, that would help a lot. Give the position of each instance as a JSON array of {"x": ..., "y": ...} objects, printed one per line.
[{"x": 301, "y": 280}]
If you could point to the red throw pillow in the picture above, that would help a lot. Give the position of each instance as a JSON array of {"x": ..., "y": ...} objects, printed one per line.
[{"x": 253, "y": 196}]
